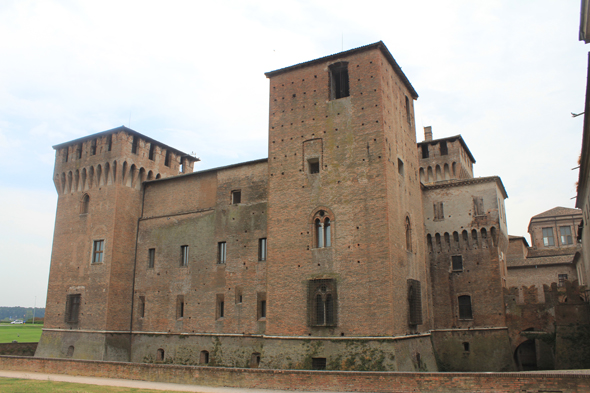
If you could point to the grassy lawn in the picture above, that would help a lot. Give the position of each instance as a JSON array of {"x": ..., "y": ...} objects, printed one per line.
[
  {"x": 12, "y": 385},
  {"x": 20, "y": 333}
]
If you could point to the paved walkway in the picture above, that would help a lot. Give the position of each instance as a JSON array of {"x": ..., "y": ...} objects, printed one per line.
[{"x": 129, "y": 383}]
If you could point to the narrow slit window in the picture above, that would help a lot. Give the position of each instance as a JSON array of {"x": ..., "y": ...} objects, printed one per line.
[
  {"x": 220, "y": 307},
  {"x": 261, "y": 305},
  {"x": 414, "y": 302},
  {"x": 109, "y": 142},
  {"x": 408, "y": 117},
  {"x": 183, "y": 255},
  {"x": 152, "y": 151},
  {"x": 93, "y": 147},
  {"x": 134, "y": 145},
  {"x": 151, "y": 258},
  {"x": 179, "y": 307},
  {"x": 142, "y": 306},
  {"x": 221, "y": 252},
  {"x": 79, "y": 151},
  {"x": 66, "y": 154},
  {"x": 262, "y": 249},
  {"x": 339, "y": 87},
  {"x": 400, "y": 167}
]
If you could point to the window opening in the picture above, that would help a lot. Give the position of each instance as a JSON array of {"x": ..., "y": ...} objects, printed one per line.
[
  {"x": 425, "y": 153},
  {"x": 323, "y": 230},
  {"x": 400, "y": 167},
  {"x": 160, "y": 355},
  {"x": 322, "y": 302},
  {"x": 66, "y": 154},
  {"x": 561, "y": 279},
  {"x": 457, "y": 263},
  {"x": 142, "y": 306},
  {"x": 85, "y": 203},
  {"x": 220, "y": 307},
  {"x": 466, "y": 346},
  {"x": 70, "y": 351},
  {"x": 339, "y": 87},
  {"x": 414, "y": 302},
  {"x": 409, "y": 235},
  {"x": 318, "y": 363},
  {"x": 134, "y": 145},
  {"x": 167, "y": 159},
  {"x": 221, "y": 252},
  {"x": 79, "y": 151},
  {"x": 261, "y": 306},
  {"x": 236, "y": 197},
  {"x": 408, "y": 110},
  {"x": 262, "y": 249},
  {"x": 478, "y": 206},
  {"x": 439, "y": 211},
  {"x": 183, "y": 255},
  {"x": 314, "y": 165},
  {"x": 109, "y": 142},
  {"x": 152, "y": 149},
  {"x": 238, "y": 295},
  {"x": 255, "y": 360},
  {"x": 327, "y": 233},
  {"x": 548, "y": 237},
  {"x": 566, "y": 235},
  {"x": 93, "y": 147},
  {"x": 465, "y": 307},
  {"x": 204, "y": 357},
  {"x": 72, "y": 308},
  {"x": 97, "y": 251},
  {"x": 151, "y": 258},
  {"x": 444, "y": 150},
  {"x": 179, "y": 306}
]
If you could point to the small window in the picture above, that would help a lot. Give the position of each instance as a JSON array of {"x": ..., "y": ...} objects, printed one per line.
[
  {"x": 561, "y": 279},
  {"x": 408, "y": 235},
  {"x": 97, "y": 251},
  {"x": 439, "y": 213},
  {"x": 66, "y": 154},
  {"x": 465, "y": 307},
  {"x": 478, "y": 206},
  {"x": 261, "y": 305},
  {"x": 314, "y": 165},
  {"x": 70, "y": 351},
  {"x": 239, "y": 296},
  {"x": 72, "y": 308},
  {"x": 179, "y": 306},
  {"x": 151, "y": 258},
  {"x": 167, "y": 159},
  {"x": 339, "y": 81},
  {"x": 465, "y": 347},
  {"x": 220, "y": 307},
  {"x": 400, "y": 167},
  {"x": 221, "y": 252},
  {"x": 566, "y": 235},
  {"x": 425, "y": 153},
  {"x": 318, "y": 363},
  {"x": 183, "y": 255},
  {"x": 160, "y": 355},
  {"x": 262, "y": 249},
  {"x": 109, "y": 142},
  {"x": 444, "y": 150},
  {"x": 408, "y": 116},
  {"x": 152, "y": 150},
  {"x": 255, "y": 360},
  {"x": 204, "y": 359},
  {"x": 79, "y": 151},
  {"x": 322, "y": 300},
  {"x": 134, "y": 145},
  {"x": 548, "y": 237},
  {"x": 84, "y": 204},
  {"x": 141, "y": 306},
  {"x": 457, "y": 263},
  {"x": 236, "y": 197},
  {"x": 414, "y": 302},
  {"x": 93, "y": 147}
]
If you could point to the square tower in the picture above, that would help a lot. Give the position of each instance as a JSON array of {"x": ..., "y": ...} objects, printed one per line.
[{"x": 346, "y": 253}]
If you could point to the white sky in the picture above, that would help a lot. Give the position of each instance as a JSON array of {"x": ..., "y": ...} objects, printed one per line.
[{"x": 505, "y": 74}]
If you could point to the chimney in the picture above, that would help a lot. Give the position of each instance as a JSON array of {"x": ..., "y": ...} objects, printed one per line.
[{"x": 428, "y": 133}]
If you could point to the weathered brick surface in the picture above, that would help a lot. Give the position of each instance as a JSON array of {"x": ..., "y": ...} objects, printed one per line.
[
  {"x": 18, "y": 349},
  {"x": 309, "y": 380}
]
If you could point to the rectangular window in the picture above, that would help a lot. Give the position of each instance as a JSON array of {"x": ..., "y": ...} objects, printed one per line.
[
  {"x": 478, "y": 206},
  {"x": 220, "y": 307},
  {"x": 314, "y": 165},
  {"x": 72, "y": 308},
  {"x": 93, "y": 147},
  {"x": 438, "y": 211},
  {"x": 318, "y": 363},
  {"x": 152, "y": 149},
  {"x": 134, "y": 145},
  {"x": 109, "y": 142},
  {"x": 261, "y": 305},
  {"x": 561, "y": 279},
  {"x": 239, "y": 296},
  {"x": 465, "y": 307},
  {"x": 79, "y": 151},
  {"x": 408, "y": 117},
  {"x": 66, "y": 154},
  {"x": 97, "y": 251},
  {"x": 444, "y": 150},
  {"x": 339, "y": 81},
  {"x": 183, "y": 255},
  {"x": 141, "y": 306},
  {"x": 167, "y": 159},
  {"x": 566, "y": 235},
  {"x": 179, "y": 306},
  {"x": 548, "y": 237},
  {"x": 262, "y": 249},
  {"x": 151, "y": 258},
  {"x": 425, "y": 153},
  {"x": 221, "y": 252},
  {"x": 236, "y": 197},
  {"x": 457, "y": 262},
  {"x": 414, "y": 302}
]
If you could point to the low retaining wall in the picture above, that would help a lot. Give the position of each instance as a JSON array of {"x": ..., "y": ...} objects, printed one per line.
[
  {"x": 307, "y": 380},
  {"x": 18, "y": 349}
]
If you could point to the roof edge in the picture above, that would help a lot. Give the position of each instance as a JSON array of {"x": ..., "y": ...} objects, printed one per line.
[{"x": 449, "y": 138}]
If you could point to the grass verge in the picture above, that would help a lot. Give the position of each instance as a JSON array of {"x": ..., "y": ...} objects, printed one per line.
[{"x": 13, "y": 385}]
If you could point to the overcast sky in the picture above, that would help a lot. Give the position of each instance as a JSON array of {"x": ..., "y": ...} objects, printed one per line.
[{"x": 504, "y": 74}]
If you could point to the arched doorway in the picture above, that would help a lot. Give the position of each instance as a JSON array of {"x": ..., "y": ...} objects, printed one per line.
[{"x": 526, "y": 356}]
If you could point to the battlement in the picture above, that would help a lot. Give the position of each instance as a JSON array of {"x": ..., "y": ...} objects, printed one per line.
[
  {"x": 118, "y": 156},
  {"x": 569, "y": 292},
  {"x": 444, "y": 159}
]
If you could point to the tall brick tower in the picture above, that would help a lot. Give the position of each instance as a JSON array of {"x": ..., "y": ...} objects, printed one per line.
[
  {"x": 345, "y": 224},
  {"x": 98, "y": 179}
]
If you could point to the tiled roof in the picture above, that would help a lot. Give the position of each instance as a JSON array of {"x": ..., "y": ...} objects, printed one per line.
[{"x": 559, "y": 211}]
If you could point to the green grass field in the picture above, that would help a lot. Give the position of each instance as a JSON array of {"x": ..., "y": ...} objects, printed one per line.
[
  {"x": 12, "y": 385},
  {"x": 21, "y": 333}
]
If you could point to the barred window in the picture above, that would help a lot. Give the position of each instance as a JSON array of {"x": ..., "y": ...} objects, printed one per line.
[
  {"x": 322, "y": 303},
  {"x": 414, "y": 302},
  {"x": 72, "y": 308}
]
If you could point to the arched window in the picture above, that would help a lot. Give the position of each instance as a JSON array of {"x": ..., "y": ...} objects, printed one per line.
[
  {"x": 84, "y": 204},
  {"x": 322, "y": 230},
  {"x": 322, "y": 303},
  {"x": 408, "y": 235}
]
